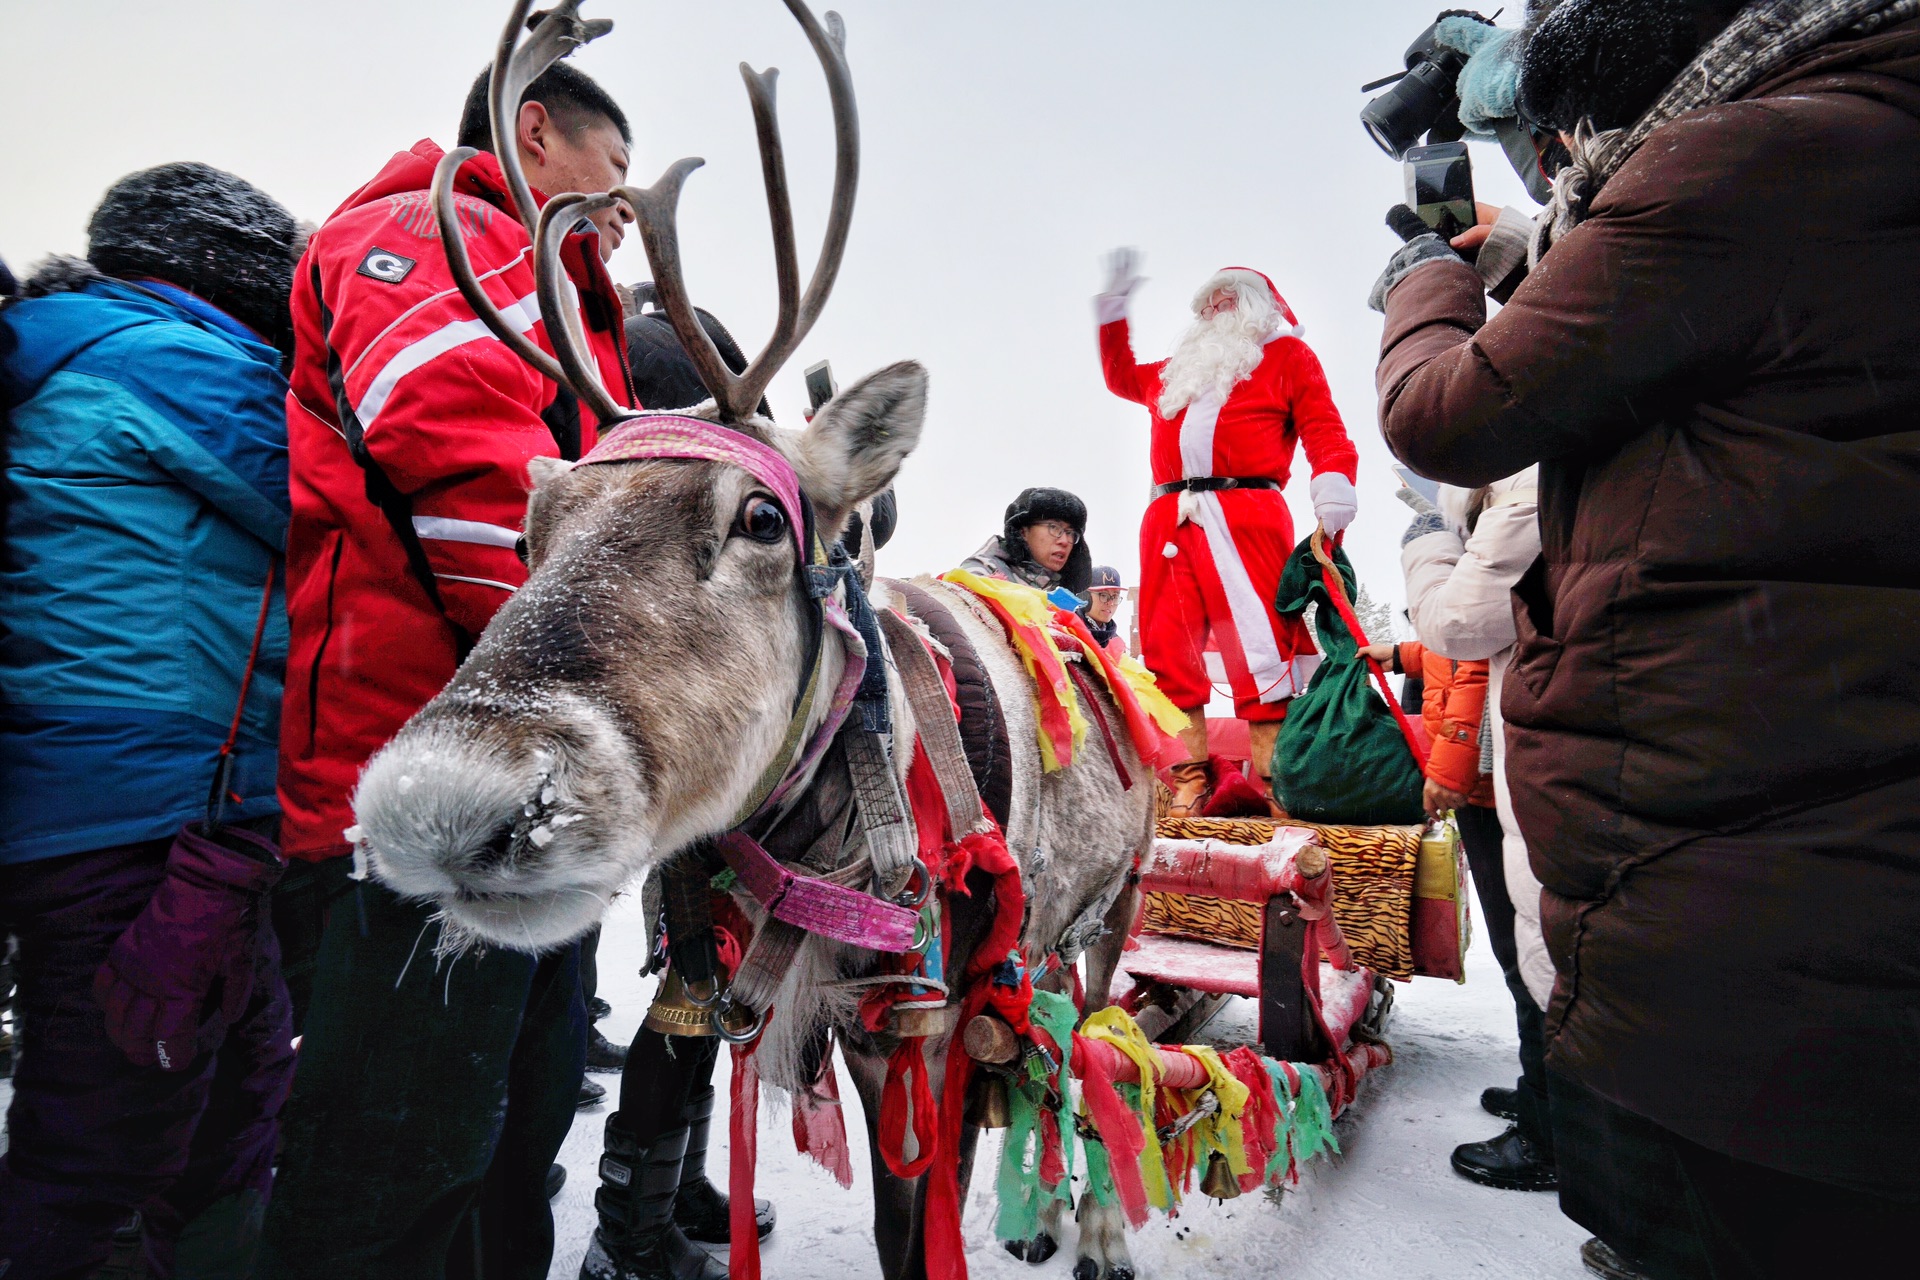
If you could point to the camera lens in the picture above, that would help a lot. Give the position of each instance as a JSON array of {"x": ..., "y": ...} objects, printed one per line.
[{"x": 1396, "y": 119}]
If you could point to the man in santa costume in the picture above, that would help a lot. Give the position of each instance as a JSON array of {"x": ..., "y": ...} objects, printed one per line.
[{"x": 1227, "y": 407}]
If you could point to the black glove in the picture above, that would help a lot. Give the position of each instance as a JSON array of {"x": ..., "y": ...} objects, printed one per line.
[{"x": 1423, "y": 245}]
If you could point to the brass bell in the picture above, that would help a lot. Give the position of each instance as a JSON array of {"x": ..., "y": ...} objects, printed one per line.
[
  {"x": 674, "y": 1014},
  {"x": 1219, "y": 1182},
  {"x": 991, "y": 1110}
]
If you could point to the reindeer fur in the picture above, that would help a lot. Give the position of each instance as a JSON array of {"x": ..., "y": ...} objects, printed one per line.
[{"x": 623, "y": 703}]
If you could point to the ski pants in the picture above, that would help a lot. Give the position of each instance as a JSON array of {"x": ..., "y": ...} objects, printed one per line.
[
  {"x": 431, "y": 1097},
  {"x": 95, "y": 1139}
]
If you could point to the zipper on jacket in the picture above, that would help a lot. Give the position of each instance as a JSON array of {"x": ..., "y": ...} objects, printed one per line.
[{"x": 326, "y": 636}]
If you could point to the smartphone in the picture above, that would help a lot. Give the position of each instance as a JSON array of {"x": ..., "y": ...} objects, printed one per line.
[
  {"x": 820, "y": 388},
  {"x": 1440, "y": 186},
  {"x": 1428, "y": 489}
]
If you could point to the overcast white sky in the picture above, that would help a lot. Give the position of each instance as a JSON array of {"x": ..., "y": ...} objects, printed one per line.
[{"x": 1007, "y": 146}]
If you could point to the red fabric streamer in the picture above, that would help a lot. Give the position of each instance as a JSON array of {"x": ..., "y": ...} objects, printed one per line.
[
  {"x": 1119, "y": 1127},
  {"x": 1013, "y": 1003},
  {"x": 1261, "y": 1117},
  {"x": 1053, "y": 1160},
  {"x": 820, "y": 1125},
  {"x": 1156, "y": 746},
  {"x": 743, "y": 1129},
  {"x": 909, "y": 1061}
]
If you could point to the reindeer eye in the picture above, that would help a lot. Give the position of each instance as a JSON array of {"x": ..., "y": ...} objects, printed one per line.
[{"x": 762, "y": 520}]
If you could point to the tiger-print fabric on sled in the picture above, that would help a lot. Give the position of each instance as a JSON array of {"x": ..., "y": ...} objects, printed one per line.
[{"x": 1373, "y": 873}]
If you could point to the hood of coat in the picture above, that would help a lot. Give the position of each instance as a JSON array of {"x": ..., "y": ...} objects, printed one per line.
[
  {"x": 78, "y": 308},
  {"x": 411, "y": 171}
]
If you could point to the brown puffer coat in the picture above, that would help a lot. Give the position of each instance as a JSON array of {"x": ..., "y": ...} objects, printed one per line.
[{"x": 1714, "y": 707}]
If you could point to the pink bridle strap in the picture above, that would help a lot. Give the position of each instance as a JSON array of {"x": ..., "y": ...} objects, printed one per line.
[
  {"x": 818, "y": 906},
  {"x": 671, "y": 436}
]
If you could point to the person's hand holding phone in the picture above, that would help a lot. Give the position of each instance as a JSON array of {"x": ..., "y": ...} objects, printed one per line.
[{"x": 1484, "y": 216}]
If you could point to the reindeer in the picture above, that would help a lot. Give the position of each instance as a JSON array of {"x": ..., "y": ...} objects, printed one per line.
[{"x": 632, "y": 700}]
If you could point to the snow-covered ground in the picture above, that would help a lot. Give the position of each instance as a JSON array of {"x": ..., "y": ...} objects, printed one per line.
[{"x": 1388, "y": 1206}]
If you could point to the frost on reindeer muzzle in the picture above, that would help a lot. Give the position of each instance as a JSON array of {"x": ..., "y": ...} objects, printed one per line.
[{"x": 516, "y": 845}]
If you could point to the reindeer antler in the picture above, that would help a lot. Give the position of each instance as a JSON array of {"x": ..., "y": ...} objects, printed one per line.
[
  {"x": 517, "y": 63},
  {"x": 657, "y": 209},
  {"x": 557, "y": 32}
]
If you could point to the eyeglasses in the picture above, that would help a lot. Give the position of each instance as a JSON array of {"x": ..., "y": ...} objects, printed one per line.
[{"x": 1058, "y": 528}]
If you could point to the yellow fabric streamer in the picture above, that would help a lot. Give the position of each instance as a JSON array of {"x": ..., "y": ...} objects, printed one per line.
[
  {"x": 1155, "y": 703},
  {"x": 1031, "y": 614},
  {"x": 1221, "y": 1131},
  {"x": 1117, "y": 1028}
]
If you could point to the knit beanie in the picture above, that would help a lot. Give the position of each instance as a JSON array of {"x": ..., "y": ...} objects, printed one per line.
[
  {"x": 1604, "y": 60},
  {"x": 217, "y": 236}
]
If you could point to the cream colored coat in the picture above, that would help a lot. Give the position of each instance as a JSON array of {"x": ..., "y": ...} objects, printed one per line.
[{"x": 1459, "y": 594}]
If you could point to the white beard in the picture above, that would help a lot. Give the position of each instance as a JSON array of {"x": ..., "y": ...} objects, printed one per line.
[{"x": 1215, "y": 355}]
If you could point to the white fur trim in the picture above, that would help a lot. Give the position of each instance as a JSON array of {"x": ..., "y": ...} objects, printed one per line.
[
  {"x": 1169, "y": 551},
  {"x": 1196, "y": 436},
  {"x": 1272, "y": 674}
]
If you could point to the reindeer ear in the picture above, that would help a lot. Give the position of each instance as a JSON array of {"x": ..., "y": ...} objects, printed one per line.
[
  {"x": 856, "y": 443},
  {"x": 543, "y": 470}
]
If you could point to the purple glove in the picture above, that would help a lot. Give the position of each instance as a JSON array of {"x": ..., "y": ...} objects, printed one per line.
[{"x": 201, "y": 927}]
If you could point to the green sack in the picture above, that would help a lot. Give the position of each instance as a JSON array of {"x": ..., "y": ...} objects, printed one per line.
[{"x": 1340, "y": 756}]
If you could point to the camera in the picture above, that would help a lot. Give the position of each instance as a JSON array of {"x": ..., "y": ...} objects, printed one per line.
[{"x": 1425, "y": 100}]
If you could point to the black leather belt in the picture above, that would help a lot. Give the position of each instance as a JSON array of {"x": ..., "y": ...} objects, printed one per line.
[{"x": 1208, "y": 484}]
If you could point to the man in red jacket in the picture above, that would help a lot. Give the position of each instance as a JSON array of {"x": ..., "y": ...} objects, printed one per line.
[
  {"x": 431, "y": 1097},
  {"x": 1227, "y": 408}
]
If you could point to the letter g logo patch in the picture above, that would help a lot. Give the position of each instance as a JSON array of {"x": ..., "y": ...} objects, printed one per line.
[{"x": 385, "y": 265}]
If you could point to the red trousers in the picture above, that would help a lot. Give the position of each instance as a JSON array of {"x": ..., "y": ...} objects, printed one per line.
[{"x": 1217, "y": 572}]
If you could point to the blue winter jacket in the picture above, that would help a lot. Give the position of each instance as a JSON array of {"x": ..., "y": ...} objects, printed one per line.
[{"x": 145, "y": 503}]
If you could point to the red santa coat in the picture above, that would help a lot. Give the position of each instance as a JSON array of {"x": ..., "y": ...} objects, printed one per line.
[
  {"x": 390, "y": 360},
  {"x": 1212, "y": 561}
]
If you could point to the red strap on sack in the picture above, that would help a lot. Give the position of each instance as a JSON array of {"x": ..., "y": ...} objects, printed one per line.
[{"x": 1337, "y": 588}]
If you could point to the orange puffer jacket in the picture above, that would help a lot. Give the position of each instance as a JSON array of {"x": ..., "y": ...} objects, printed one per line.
[{"x": 1453, "y": 707}]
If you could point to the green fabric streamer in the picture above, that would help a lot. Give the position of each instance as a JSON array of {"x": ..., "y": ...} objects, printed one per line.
[
  {"x": 1099, "y": 1163},
  {"x": 1022, "y": 1194},
  {"x": 1100, "y": 1174},
  {"x": 1281, "y": 1159},
  {"x": 1313, "y": 1118}
]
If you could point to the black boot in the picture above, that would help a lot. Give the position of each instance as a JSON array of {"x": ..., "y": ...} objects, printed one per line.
[
  {"x": 603, "y": 1054},
  {"x": 1505, "y": 1103},
  {"x": 636, "y": 1238},
  {"x": 1510, "y": 1162},
  {"x": 699, "y": 1209}
]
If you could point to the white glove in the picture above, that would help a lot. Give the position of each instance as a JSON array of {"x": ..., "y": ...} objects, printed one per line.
[
  {"x": 1334, "y": 501},
  {"x": 1123, "y": 277}
]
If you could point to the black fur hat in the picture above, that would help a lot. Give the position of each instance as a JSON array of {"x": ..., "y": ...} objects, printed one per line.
[
  {"x": 216, "y": 236},
  {"x": 1605, "y": 60},
  {"x": 1035, "y": 505}
]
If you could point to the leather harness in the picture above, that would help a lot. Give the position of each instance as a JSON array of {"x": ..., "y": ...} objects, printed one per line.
[{"x": 983, "y": 725}]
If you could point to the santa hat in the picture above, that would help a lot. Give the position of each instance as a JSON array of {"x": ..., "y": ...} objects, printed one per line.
[{"x": 1287, "y": 325}]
